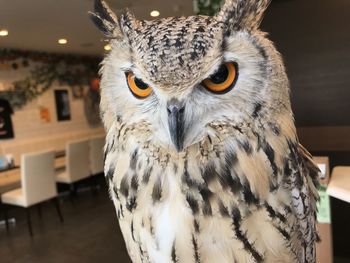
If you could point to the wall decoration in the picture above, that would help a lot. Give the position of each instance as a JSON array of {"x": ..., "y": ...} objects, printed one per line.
[
  {"x": 44, "y": 113},
  {"x": 4, "y": 66},
  {"x": 6, "y": 130},
  {"x": 92, "y": 103},
  {"x": 207, "y": 7},
  {"x": 46, "y": 68},
  {"x": 95, "y": 84},
  {"x": 62, "y": 105},
  {"x": 78, "y": 92}
]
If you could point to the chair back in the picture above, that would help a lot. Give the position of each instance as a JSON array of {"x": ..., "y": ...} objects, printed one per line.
[
  {"x": 78, "y": 160},
  {"x": 96, "y": 155},
  {"x": 341, "y": 170},
  {"x": 339, "y": 185},
  {"x": 37, "y": 177}
]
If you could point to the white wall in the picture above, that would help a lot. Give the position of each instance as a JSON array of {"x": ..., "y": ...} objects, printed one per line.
[
  {"x": 31, "y": 133},
  {"x": 27, "y": 123}
]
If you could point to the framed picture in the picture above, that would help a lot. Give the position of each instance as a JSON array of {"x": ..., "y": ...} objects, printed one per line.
[{"x": 62, "y": 105}]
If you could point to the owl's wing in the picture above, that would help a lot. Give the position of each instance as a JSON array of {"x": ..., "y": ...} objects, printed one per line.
[
  {"x": 303, "y": 182},
  {"x": 310, "y": 167}
]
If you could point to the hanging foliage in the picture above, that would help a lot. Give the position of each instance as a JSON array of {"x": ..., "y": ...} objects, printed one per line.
[
  {"x": 207, "y": 7},
  {"x": 92, "y": 104},
  {"x": 70, "y": 70}
]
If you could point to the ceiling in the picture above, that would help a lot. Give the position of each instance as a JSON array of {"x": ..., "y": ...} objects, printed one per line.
[
  {"x": 38, "y": 24},
  {"x": 312, "y": 36}
]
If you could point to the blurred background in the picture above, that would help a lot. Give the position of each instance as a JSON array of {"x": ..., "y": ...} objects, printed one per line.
[{"x": 49, "y": 95}]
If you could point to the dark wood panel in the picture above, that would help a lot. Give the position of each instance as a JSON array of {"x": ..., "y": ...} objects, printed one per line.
[
  {"x": 316, "y": 139},
  {"x": 314, "y": 38}
]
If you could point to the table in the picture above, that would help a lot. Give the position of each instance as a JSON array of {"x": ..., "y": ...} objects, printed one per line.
[{"x": 10, "y": 179}]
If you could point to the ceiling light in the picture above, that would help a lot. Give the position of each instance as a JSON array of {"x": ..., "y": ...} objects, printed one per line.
[
  {"x": 3, "y": 32},
  {"x": 107, "y": 47},
  {"x": 62, "y": 41},
  {"x": 155, "y": 13}
]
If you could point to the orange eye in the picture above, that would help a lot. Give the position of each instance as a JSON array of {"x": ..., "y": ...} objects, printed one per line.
[
  {"x": 223, "y": 80},
  {"x": 138, "y": 88}
]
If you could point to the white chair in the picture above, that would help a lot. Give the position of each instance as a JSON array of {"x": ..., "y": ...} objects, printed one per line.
[
  {"x": 339, "y": 185},
  {"x": 77, "y": 164},
  {"x": 96, "y": 159},
  {"x": 37, "y": 184},
  {"x": 96, "y": 155}
]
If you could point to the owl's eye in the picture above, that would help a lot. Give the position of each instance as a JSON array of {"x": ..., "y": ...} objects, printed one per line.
[
  {"x": 223, "y": 80},
  {"x": 138, "y": 88}
]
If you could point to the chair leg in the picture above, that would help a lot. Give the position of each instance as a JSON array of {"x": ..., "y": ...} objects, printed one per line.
[
  {"x": 4, "y": 209},
  {"x": 39, "y": 211},
  {"x": 57, "y": 205},
  {"x": 73, "y": 189},
  {"x": 6, "y": 219},
  {"x": 72, "y": 193},
  {"x": 29, "y": 222},
  {"x": 94, "y": 184}
]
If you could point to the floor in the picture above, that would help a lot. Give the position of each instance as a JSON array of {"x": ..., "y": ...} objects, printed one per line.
[{"x": 90, "y": 233}]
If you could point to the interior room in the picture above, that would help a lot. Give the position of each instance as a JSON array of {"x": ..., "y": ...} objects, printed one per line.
[{"x": 59, "y": 201}]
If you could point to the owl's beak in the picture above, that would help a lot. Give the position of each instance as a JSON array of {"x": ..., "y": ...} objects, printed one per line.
[{"x": 176, "y": 111}]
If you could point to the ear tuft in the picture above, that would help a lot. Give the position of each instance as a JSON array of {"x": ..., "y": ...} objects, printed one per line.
[
  {"x": 104, "y": 18},
  {"x": 128, "y": 23},
  {"x": 103, "y": 9},
  {"x": 242, "y": 14}
]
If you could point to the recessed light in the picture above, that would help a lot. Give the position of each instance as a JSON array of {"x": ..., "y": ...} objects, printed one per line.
[
  {"x": 107, "y": 47},
  {"x": 3, "y": 32},
  {"x": 155, "y": 13},
  {"x": 62, "y": 41}
]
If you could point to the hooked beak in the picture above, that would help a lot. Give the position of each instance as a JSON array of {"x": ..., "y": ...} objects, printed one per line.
[{"x": 176, "y": 110}]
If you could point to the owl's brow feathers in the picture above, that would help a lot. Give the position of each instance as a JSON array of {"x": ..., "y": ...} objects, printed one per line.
[
  {"x": 161, "y": 47},
  {"x": 175, "y": 52}
]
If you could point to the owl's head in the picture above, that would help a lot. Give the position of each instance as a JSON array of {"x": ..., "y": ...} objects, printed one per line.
[{"x": 180, "y": 74}]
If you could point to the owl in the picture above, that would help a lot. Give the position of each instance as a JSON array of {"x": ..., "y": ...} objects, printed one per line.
[{"x": 202, "y": 158}]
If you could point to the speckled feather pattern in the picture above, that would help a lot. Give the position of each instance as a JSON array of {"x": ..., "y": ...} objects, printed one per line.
[
  {"x": 156, "y": 45},
  {"x": 243, "y": 189}
]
